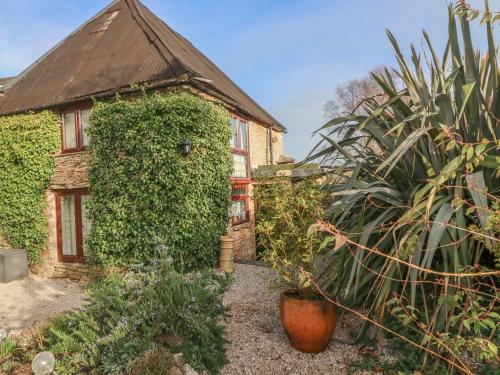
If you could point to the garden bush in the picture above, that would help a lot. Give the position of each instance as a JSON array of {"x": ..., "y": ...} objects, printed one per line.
[
  {"x": 155, "y": 361},
  {"x": 27, "y": 145},
  {"x": 285, "y": 220},
  {"x": 133, "y": 317},
  {"x": 415, "y": 181},
  {"x": 145, "y": 192}
]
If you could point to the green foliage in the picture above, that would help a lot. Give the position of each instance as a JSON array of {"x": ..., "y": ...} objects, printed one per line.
[
  {"x": 285, "y": 227},
  {"x": 8, "y": 348},
  {"x": 27, "y": 145},
  {"x": 145, "y": 193},
  {"x": 416, "y": 186},
  {"x": 155, "y": 361},
  {"x": 407, "y": 363},
  {"x": 129, "y": 316}
]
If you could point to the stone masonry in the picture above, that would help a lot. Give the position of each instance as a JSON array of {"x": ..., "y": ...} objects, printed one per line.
[{"x": 71, "y": 173}]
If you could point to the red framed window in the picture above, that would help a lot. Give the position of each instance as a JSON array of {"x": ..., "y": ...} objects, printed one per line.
[
  {"x": 74, "y": 125},
  {"x": 73, "y": 225},
  {"x": 239, "y": 204},
  {"x": 241, "y": 170},
  {"x": 240, "y": 149}
]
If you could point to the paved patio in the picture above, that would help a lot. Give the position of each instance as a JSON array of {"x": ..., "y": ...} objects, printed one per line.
[{"x": 26, "y": 302}]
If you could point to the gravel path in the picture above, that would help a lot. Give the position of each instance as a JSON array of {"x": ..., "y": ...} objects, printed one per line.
[
  {"x": 258, "y": 342},
  {"x": 26, "y": 302}
]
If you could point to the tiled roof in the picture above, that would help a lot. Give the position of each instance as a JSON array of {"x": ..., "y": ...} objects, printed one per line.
[{"x": 124, "y": 45}]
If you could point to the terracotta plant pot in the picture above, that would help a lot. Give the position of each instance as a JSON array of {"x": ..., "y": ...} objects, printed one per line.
[{"x": 309, "y": 324}]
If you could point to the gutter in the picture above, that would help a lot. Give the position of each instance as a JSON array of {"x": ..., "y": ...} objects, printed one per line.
[{"x": 195, "y": 82}]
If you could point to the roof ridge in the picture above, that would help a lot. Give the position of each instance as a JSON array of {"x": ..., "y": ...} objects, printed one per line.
[{"x": 135, "y": 8}]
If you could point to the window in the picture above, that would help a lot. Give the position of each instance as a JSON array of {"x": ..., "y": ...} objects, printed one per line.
[
  {"x": 84, "y": 121},
  {"x": 73, "y": 225},
  {"x": 239, "y": 145},
  {"x": 241, "y": 170},
  {"x": 69, "y": 131},
  {"x": 74, "y": 130},
  {"x": 240, "y": 165},
  {"x": 239, "y": 205}
]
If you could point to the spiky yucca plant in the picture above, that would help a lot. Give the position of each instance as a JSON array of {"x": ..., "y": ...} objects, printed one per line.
[{"x": 416, "y": 187}]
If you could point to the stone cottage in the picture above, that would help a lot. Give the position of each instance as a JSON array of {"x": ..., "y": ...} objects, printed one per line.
[{"x": 124, "y": 49}]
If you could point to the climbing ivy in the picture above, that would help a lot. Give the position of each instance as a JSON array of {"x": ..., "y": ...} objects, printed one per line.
[
  {"x": 146, "y": 195},
  {"x": 27, "y": 145}
]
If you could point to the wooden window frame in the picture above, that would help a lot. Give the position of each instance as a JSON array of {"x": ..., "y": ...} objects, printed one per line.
[
  {"x": 241, "y": 182},
  {"x": 78, "y": 129},
  {"x": 241, "y": 197},
  {"x": 241, "y": 151},
  {"x": 77, "y": 193}
]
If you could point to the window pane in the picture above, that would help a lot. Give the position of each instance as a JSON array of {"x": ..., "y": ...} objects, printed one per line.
[
  {"x": 240, "y": 166},
  {"x": 84, "y": 119},
  {"x": 243, "y": 135},
  {"x": 238, "y": 190},
  {"x": 234, "y": 130},
  {"x": 86, "y": 224},
  {"x": 68, "y": 225},
  {"x": 69, "y": 130},
  {"x": 239, "y": 211}
]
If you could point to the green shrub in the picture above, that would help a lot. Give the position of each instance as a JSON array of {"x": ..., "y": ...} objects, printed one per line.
[
  {"x": 287, "y": 213},
  {"x": 416, "y": 210},
  {"x": 130, "y": 315},
  {"x": 155, "y": 361},
  {"x": 145, "y": 192},
  {"x": 7, "y": 350},
  {"x": 27, "y": 145}
]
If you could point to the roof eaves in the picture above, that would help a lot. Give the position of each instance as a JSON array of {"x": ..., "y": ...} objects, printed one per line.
[
  {"x": 124, "y": 90},
  {"x": 215, "y": 66},
  {"x": 207, "y": 87}
]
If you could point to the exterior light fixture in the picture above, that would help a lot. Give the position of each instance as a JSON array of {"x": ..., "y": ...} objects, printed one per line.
[
  {"x": 3, "y": 334},
  {"x": 187, "y": 147},
  {"x": 44, "y": 363}
]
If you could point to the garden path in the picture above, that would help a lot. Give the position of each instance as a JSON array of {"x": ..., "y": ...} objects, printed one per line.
[
  {"x": 33, "y": 300},
  {"x": 258, "y": 344}
]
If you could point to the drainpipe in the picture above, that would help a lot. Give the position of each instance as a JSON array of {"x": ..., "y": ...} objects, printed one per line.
[{"x": 270, "y": 137}]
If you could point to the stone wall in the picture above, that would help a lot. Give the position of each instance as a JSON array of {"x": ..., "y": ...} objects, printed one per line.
[
  {"x": 71, "y": 173},
  {"x": 259, "y": 145},
  {"x": 244, "y": 234}
]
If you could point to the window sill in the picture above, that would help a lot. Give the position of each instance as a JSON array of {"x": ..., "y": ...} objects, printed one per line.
[
  {"x": 69, "y": 153},
  {"x": 240, "y": 226}
]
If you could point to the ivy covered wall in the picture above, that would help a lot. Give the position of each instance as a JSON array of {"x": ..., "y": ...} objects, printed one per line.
[
  {"x": 27, "y": 145},
  {"x": 146, "y": 194}
]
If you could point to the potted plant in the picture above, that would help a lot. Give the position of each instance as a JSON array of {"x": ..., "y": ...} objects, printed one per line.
[{"x": 286, "y": 220}]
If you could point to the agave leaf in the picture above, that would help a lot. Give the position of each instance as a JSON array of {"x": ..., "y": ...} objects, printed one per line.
[
  {"x": 435, "y": 236},
  {"x": 466, "y": 92},
  {"x": 401, "y": 150},
  {"x": 435, "y": 60},
  {"x": 337, "y": 121},
  {"x": 443, "y": 101},
  {"x": 477, "y": 187}
]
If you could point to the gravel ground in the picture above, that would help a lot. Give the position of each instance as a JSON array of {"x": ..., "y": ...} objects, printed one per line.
[
  {"x": 33, "y": 300},
  {"x": 258, "y": 342}
]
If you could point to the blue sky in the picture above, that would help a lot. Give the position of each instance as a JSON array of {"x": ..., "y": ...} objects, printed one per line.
[{"x": 289, "y": 55}]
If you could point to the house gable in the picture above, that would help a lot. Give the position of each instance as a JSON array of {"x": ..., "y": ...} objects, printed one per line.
[{"x": 124, "y": 45}]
